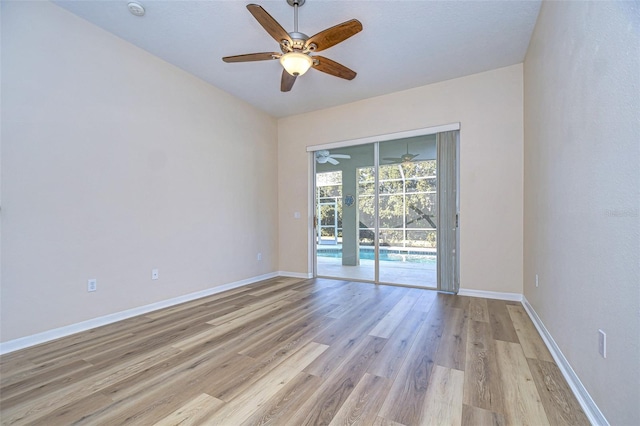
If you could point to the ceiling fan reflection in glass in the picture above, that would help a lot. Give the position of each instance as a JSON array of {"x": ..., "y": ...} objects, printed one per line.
[{"x": 324, "y": 156}]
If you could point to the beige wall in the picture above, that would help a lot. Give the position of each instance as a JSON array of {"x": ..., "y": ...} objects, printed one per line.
[
  {"x": 489, "y": 108},
  {"x": 582, "y": 184},
  {"x": 115, "y": 162}
]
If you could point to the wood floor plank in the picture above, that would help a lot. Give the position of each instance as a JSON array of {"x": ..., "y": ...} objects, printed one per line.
[
  {"x": 285, "y": 402},
  {"x": 323, "y": 292},
  {"x": 198, "y": 339},
  {"x": 315, "y": 285},
  {"x": 453, "y": 345},
  {"x": 360, "y": 407},
  {"x": 474, "y": 416},
  {"x": 522, "y": 403},
  {"x": 24, "y": 369},
  {"x": 255, "y": 310},
  {"x": 390, "y": 359},
  {"x": 40, "y": 406},
  {"x": 443, "y": 401},
  {"x": 228, "y": 382},
  {"x": 269, "y": 289},
  {"x": 226, "y": 385},
  {"x": 184, "y": 381},
  {"x": 143, "y": 408},
  {"x": 180, "y": 324},
  {"x": 329, "y": 397},
  {"x": 354, "y": 295},
  {"x": 394, "y": 318},
  {"x": 482, "y": 387},
  {"x": 454, "y": 301},
  {"x": 16, "y": 364},
  {"x": 425, "y": 301},
  {"x": 34, "y": 382},
  {"x": 145, "y": 344},
  {"x": 74, "y": 411},
  {"x": 406, "y": 397},
  {"x": 243, "y": 357},
  {"x": 381, "y": 421},
  {"x": 501, "y": 325},
  {"x": 311, "y": 315},
  {"x": 239, "y": 409},
  {"x": 193, "y": 369},
  {"x": 559, "y": 403},
  {"x": 360, "y": 319},
  {"x": 22, "y": 395},
  {"x": 230, "y": 330},
  {"x": 478, "y": 309},
  {"x": 193, "y": 412},
  {"x": 350, "y": 336},
  {"x": 155, "y": 392},
  {"x": 228, "y": 298},
  {"x": 528, "y": 336},
  {"x": 77, "y": 350},
  {"x": 65, "y": 348}
]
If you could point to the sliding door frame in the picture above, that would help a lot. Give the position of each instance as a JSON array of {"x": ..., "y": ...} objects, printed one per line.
[{"x": 375, "y": 140}]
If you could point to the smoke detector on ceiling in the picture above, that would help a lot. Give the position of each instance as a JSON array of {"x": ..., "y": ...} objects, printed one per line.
[{"x": 136, "y": 8}]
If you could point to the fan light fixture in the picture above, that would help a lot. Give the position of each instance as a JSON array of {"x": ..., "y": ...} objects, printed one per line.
[
  {"x": 297, "y": 48},
  {"x": 296, "y": 63}
]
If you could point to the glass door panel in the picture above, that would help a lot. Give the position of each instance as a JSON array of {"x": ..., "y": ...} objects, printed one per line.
[
  {"x": 341, "y": 251},
  {"x": 386, "y": 212},
  {"x": 407, "y": 210}
]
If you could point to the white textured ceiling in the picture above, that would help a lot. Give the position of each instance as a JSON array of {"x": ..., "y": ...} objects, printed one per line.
[{"x": 404, "y": 44}]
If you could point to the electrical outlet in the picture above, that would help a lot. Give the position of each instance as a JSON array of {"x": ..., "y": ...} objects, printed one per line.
[
  {"x": 92, "y": 285},
  {"x": 536, "y": 280},
  {"x": 154, "y": 274},
  {"x": 602, "y": 343},
  {"x": 259, "y": 256}
]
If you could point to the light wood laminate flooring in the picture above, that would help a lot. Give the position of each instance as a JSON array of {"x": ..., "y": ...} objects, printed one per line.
[{"x": 297, "y": 352}]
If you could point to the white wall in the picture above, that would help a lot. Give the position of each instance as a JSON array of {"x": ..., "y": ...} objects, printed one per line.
[
  {"x": 489, "y": 108},
  {"x": 582, "y": 186},
  {"x": 115, "y": 162}
]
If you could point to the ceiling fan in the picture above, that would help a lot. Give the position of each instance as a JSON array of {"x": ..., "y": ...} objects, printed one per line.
[
  {"x": 296, "y": 47},
  {"x": 325, "y": 156},
  {"x": 404, "y": 158}
]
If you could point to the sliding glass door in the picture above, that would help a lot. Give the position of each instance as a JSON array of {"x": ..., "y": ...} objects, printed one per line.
[
  {"x": 386, "y": 212},
  {"x": 407, "y": 211},
  {"x": 340, "y": 217}
]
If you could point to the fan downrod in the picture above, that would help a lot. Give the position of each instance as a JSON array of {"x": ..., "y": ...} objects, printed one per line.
[{"x": 295, "y": 2}]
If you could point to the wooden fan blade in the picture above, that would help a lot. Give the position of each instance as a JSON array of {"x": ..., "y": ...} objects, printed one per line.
[
  {"x": 265, "y": 56},
  {"x": 334, "y": 35},
  {"x": 286, "y": 83},
  {"x": 268, "y": 23},
  {"x": 332, "y": 67}
]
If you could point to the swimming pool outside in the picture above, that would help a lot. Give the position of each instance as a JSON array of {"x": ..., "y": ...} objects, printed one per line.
[{"x": 390, "y": 254}]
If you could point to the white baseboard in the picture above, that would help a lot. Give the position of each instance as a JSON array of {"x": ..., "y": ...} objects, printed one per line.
[
  {"x": 515, "y": 297},
  {"x": 587, "y": 403},
  {"x": 295, "y": 274},
  {"x": 36, "y": 339}
]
